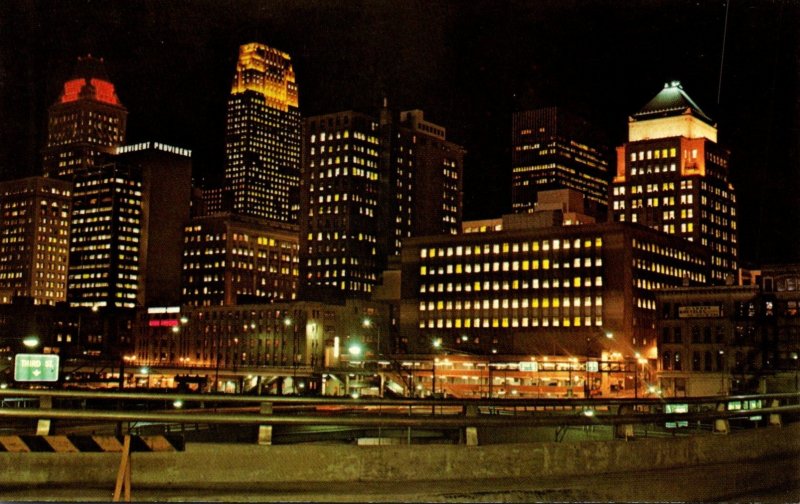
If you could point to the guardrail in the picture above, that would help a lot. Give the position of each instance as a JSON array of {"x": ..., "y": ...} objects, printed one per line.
[{"x": 466, "y": 415}]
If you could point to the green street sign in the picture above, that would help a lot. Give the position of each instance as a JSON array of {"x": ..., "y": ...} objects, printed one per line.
[{"x": 36, "y": 368}]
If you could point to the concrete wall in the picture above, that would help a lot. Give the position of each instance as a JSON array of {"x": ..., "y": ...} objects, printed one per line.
[{"x": 213, "y": 465}]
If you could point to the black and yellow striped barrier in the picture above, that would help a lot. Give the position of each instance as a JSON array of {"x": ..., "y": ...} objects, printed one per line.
[
  {"x": 110, "y": 444},
  {"x": 83, "y": 443}
]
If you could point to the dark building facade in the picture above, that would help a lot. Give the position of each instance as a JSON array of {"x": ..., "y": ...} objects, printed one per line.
[
  {"x": 709, "y": 340},
  {"x": 551, "y": 149},
  {"x": 263, "y": 136},
  {"x": 673, "y": 176},
  {"x": 166, "y": 198},
  {"x": 717, "y": 340},
  {"x": 86, "y": 122}
]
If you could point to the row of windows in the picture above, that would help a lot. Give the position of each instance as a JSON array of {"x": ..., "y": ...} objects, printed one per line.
[
  {"x": 524, "y": 265},
  {"x": 507, "y": 247},
  {"x": 657, "y": 154},
  {"x": 506, "y": 322},
  {"x": 495, "y": 304}
]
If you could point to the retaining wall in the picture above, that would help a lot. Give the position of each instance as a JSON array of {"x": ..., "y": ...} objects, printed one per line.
[{"x": 204, "y": 465}]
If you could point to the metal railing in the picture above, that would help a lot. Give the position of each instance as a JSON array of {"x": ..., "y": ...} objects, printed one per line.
[{"x": 467, "y": 415}]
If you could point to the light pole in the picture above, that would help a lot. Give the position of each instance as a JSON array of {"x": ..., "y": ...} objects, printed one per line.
[
  {"x": 437, "y": 344},
  {"x": 367, "y": 323}
]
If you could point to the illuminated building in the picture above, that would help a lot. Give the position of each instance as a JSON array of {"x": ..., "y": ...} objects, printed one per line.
[
  {"x": 105, "y": 236},
  {"x": 34, "y": 239},
  {"x": 673, "y": 176},
  {"x": 258, "y": 336},
  {"x": 166, "y": 194},
  {"x": 541, "y": 290},
  {"x": 232, "y": 259},
  {"x": 554, "y": 149},
  {"x": 87, "y": 121},
  {"x": 370, "y": 182},
  {"x": 263, "y": 136},
  {"x": 342, "y": 206}
]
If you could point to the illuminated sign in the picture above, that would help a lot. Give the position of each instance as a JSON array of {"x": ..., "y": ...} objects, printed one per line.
[
  {"x": 163, "y": 323},
  {"x": 528, "y": 366},
  {"x": 699, "y": 311}
]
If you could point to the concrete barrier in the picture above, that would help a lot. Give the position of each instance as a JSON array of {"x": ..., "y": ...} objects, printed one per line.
[{"x": 209, "y": 465}]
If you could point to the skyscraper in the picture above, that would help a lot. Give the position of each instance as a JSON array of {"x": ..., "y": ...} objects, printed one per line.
[
  {"x": 87, "y": 121},
  {"x": 673, "y": 176},
  {"x": 370, "y": 181},
  {"x": 166, "y": 195},
  {"x": 263, "y": 135},
  {"x": 342, "y": 207},
  {"x": 426, "y": 177},
  {"x": 105, "y": 237},
  {"x": 555, "y": 149},
  {"x": 34, "y": 239}
]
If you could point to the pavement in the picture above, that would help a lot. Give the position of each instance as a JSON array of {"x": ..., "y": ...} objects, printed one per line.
[{"x": 767, "y": 481}]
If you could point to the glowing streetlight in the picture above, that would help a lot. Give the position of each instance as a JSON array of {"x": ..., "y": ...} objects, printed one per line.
[
  {"x": 31, "y": 342},
  {"x": 354, "y": 350}
]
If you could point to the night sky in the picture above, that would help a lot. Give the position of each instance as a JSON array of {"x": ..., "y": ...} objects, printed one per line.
[{"x": 467, "y": 64}]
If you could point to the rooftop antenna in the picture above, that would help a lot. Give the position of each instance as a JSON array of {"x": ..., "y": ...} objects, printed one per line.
[{"x": 722, "y": 57}]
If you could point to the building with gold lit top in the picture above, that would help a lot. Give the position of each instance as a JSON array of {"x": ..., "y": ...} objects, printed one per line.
[{"x": 263, "y": 136}]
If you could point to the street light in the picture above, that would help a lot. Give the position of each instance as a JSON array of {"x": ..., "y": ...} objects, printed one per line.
[
  {"x": 31, "y": 342},
  {"x": 287, "y": 322},
  {"x": 354, "y": 350},
  {"x": 367, "y": 324}
]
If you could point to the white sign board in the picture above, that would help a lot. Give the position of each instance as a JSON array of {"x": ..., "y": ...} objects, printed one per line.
[{"x": 699, "y": 312}]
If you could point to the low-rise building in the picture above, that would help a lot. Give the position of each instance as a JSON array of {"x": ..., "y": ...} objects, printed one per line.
[
  {"x": 542, "y": 290},
  {"x": 718, "y": 340}
]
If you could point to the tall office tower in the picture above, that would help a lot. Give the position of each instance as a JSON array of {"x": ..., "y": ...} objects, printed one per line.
[
  {"x": 232, "y": 259},
  {"x": 34, "y": 239},
  {"x": 166, "y": 198},
  {"x": 342, "y": 206},
  {"x": 87, "y": 121},
  {"x": 554, "y": 149},
  {"x": 263, "y": 135},
  {"x": 105, "y": 237},
  {"x": 673, "y": 176},
  {"x": 426, "y": 176},
  {"x": 368, "y": 183}
]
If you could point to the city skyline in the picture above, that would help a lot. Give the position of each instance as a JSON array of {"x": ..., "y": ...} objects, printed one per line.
[{"x": 469, "y": 67}]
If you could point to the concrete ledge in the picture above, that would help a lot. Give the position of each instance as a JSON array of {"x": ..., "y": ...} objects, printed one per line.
[{"x": 204, "y": 465}]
